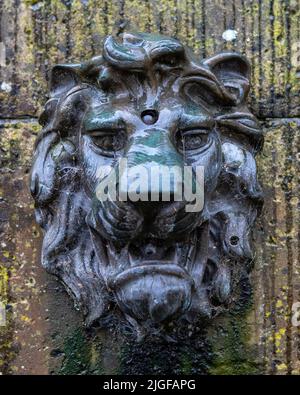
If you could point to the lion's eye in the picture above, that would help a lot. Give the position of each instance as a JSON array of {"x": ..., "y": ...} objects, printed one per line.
[
  {"x": 109, "y": 141},
  {"x": 192, "y": 140},
  {"x": 170, "y": 61}
]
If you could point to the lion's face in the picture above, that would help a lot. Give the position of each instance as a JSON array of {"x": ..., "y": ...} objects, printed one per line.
[
  {"x": 143, "y": 240},
  {"x": 148, "y": 103}
]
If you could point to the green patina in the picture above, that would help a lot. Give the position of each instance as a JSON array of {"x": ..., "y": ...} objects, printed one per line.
[
  {"x": 233, "y": 354},
  {"x": 81, "y": 355}
]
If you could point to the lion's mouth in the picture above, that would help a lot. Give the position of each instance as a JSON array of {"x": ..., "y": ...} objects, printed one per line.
[
  {"x": 153, "y": 279},
  {"x": 149, "y": 268},
  {"x": 179, "y": 258},
  {"x": 153, "y": 291}
]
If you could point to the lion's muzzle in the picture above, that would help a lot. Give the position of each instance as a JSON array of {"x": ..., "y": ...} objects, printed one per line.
[
  {"x": 148, "y": 192},
  {"x": 143, "y": 224}
]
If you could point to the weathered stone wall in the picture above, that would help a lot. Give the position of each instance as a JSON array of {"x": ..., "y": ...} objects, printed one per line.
[{"x": 44, "y": 333}]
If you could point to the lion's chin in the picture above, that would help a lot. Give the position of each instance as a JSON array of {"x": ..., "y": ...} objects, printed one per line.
[{"x": 153, "y": 291}]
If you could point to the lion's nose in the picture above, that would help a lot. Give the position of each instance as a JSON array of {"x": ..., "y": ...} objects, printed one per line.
[
  {"x": 152, "y": 171},
  {"x": 148, "y": 187}
]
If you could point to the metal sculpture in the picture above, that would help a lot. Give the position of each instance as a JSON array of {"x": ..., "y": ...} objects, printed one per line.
[{"x": 148, "y": 101}]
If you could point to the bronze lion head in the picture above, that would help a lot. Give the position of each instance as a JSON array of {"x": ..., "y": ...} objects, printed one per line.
[{"x": 150, "y": 101}]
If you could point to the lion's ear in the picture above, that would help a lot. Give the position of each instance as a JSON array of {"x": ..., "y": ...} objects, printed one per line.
[
  {"x": 63, "y": 78},
  {"x": 233, "y": 70}
]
